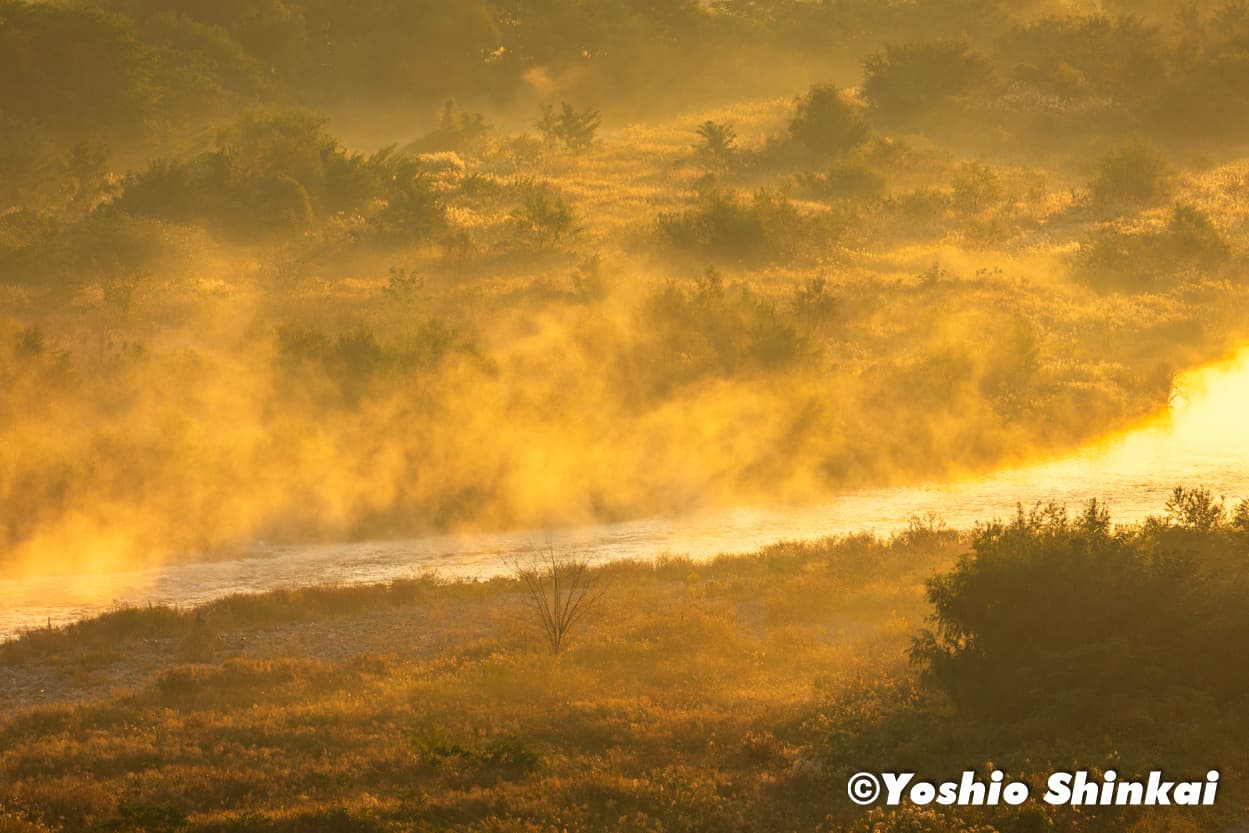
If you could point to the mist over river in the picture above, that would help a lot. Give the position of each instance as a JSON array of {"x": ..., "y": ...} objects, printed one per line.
[{"x": 1202, "y": 441}]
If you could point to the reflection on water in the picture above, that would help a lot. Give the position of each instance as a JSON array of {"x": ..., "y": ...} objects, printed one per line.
[{"x": 1202, "y": 441}]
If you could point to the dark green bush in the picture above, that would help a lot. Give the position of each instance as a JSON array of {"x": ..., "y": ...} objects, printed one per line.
[
  {"x": 1114, "y": 258},
  {"x": 543, "y": 219},
  {"x": 1132, "y": 176},
  {"x": 275, "y": 173},
  {"x": 1088, "y": 56},
  {"x": 826, "y": 124},
  {"x": 724, "y": 226},
  {"x": 1060, "y": 613},
  {"x": 904, "y": 84},
  {"x": 710, "y": 329},
  {"x": 848, "y": 179}
]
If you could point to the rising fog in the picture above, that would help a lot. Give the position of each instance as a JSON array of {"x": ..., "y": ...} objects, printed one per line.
[{"x": 317, "y": 272}]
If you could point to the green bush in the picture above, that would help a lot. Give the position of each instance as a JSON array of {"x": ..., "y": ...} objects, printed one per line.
[
  {"x": 904, "y": 84},
  {"x": 976, "y": 187},
  {"x": 275, "y": 173},
  {"x": 711, "y": 329},
  {"x": 1132, "y": 176},
  {"x": 1114, "y": 258},
  {"x": 1065, "y": 613},
  {"x": 574, "y": 129},
  {"x": 726, "y": 227},
  {"x": 847, "y": 179},
  {"x": 826, "y": 124},
  {"x": 543, "y": 219}
]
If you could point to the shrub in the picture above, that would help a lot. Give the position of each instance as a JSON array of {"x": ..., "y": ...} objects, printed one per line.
[
  {"x": 559, "y": 593},
  {"x": 1122, "y": 59},
  {"x": 162, "y": 818},
  {"x": 1192, "y": 238},
  {"x": 903, "y": 84},
  {"x": 921, "y": 212},
  {"x": 1132, "y": 176},
  {"x": 574, "y": 129},
  {"x": 413, "y": 210},
  {"x": 505, "y": 758},
  {"x": 845, "y": 180},
  {"x": 814, "y": 304},
  {"x": 279, "y": 172},
  {"x": 543, "y": 219},
  {"x": 976, "y": 187},
  {"x": 826, "y": 124},
  {"x": 1115, "y": 258},
  {"x": 719, "y": 143},
  {"x": 713, "y": 329},
  {"x": 1050, "y": 611},
  {"x": 723, "y": 225},
  {"x": 457, "y": 130}
]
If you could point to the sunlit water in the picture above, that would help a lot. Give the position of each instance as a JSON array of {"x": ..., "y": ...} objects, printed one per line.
[{"x": 1204, "y": 440}]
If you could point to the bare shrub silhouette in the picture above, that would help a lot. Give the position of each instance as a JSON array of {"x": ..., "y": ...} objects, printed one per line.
[{"x": 559, "y": 592}]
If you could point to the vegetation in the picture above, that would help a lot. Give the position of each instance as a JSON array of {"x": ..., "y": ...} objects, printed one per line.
[
  {"x": 736, "y": 693},
  {"x": 719, "y": 142},
  {"x": 559, "y": 593},
  {"x": 572, "y": 129},
  {"x": 295, "y": 271},
  {"x": 994, "y": 613},
  {"x": 909, "y": 82},
  {"x": 256, "y": 276},
  {"x": 681, "y": 702}
]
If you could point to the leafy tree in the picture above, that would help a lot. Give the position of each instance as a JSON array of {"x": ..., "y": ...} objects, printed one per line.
[
  {"x": 289, "y": 142},
  {"x": 1195, "y": 509},
  {"x": 74, "y": 70},
  {"x": 1208, "y": 99},
  {"x": 278, "y": 201}
]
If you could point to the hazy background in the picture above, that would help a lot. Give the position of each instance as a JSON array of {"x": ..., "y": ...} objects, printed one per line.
[{"x": 302, "y": 271}]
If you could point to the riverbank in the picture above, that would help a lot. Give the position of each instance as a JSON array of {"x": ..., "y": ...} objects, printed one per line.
[
  {"x": 374, "y": 708},
  {"x": 731, "y": 695}
]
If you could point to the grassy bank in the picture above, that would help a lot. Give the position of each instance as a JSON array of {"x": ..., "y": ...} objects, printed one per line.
[
  {"x": 680, "y": 703},
  {"x": 735, "y": 694}
]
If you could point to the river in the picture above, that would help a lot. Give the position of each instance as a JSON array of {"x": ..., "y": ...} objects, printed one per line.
[{"x": 1202, "y": 441}]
